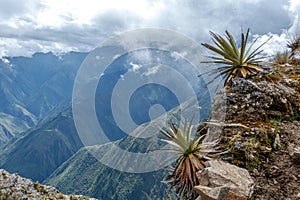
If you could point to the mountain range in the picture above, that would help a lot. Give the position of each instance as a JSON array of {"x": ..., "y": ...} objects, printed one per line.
[
  {"x": 38, "y": 138},
  {"x": 33, "y": 88}
]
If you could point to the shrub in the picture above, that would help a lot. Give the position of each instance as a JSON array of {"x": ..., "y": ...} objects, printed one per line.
[
  {"x": 294, "y": 44},
  {"x": 234, "y": 61},
  {"x": 282, "y": 58},
  {"x": 191, "y": 153}
]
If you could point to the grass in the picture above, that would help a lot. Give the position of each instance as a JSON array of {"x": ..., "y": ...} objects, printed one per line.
[
  {"x": 282, "y": 58},
  {"x": 276, "y": 120}
]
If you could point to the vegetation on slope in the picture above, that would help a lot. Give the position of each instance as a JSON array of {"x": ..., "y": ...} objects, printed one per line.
[
  {"x": 262, "y": 116},
  {"x": 84, "y": 174},
  {"x": 38, "y": 152}
]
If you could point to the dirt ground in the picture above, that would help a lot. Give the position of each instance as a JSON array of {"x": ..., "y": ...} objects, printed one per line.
[{"x": 278, "y": 177}]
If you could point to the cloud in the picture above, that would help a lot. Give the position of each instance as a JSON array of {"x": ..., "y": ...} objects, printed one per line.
[
  {"x": 143, "y": 56},
  {"x": 15, "y": 8},
  {"x": 178, "y": 55},
  {"x": 135, "y": 67},
  {"x": 151, "y": 70},
  {"x": 276, "y": 44},
  {"x": 61, "y": 26}
]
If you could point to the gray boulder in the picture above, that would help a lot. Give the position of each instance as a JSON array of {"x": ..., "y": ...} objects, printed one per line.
[{"x": 223, "y": 181}]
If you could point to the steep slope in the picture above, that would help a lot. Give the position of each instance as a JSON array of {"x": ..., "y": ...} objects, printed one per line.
[
  {"x": 14, "y": 117},
  {"x": 84, "y": 174},
  {"x": 55, "y": 80},
  {"x": 39, "y": 151},
  {"x": 33, "y": 88},
  {"x": 103, "y": 182},
  {"x": 9, "y": 126},
  {"x": 261, "y": 130}
]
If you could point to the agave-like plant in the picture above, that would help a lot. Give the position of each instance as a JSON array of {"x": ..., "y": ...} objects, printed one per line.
[
  {"x": 294, "y": 44},
  {"x": 235, "y": 61},
  {"x": 191, "y": 153}
]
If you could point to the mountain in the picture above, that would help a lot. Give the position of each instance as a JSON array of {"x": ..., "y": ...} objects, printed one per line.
[
  {"x": 44, "y": 152},
  {"x": 33, "y": 88},
  {"x": 84, "y": 174},
  {"x": 39, "y": 151},
  {"x": 14, "y": 117},
  {"x": 104, "y": 169},
  {"x": 45, "y": 136}
]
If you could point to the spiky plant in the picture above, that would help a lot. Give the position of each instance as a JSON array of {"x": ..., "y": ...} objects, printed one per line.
[
  {"x": 282, "y": 58},
  {"x": 234, "y": 61},
  {"x": 294, "y": 44},
  {"x": 191, "y": 153}
]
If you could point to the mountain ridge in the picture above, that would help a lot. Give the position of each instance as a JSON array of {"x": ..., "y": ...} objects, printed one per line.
[{"x": 34, "y": 87}]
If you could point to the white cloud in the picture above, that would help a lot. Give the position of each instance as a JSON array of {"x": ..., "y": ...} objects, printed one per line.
[
  {"x": 48, "y": 25},
  {"x": 135, "y": 67},
  {"x": 294, "y": 6},
  {"x": 151, "y": 70},
  {"x": 141, "y": 56},
  {"x": 178, "y": 55},
  {"x": 277, "y": 43}
]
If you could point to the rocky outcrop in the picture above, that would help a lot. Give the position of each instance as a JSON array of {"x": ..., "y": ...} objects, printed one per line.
[
  {"x": 258, "y": 121},
  {"x": 249, "y": 102},
  {"x": 220, "y": 180},
  {"x": 260, "y": 101},
  {"x": 12, "y": 186}
]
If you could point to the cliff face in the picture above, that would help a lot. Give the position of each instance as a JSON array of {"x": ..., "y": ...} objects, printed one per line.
[
  {"x": 12, "y": 186},
  {"x": 261, "y": 127}
]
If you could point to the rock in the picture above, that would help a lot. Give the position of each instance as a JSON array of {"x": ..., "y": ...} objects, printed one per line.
[
  {"x": 263, "y": 98},
  {"x": 255, "y": 172},
  {"x": 296, "y": 154},
  {"x": 276, "y": 143},
  {"x": 274, "y": 113},
  {"x": 220, "y": 180},
  {"x": 290, "y": 149},
  {"x": 208, "y": 193},
  {"x": 13, "y": 186}
]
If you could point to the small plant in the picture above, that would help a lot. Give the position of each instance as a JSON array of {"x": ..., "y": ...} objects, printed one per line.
[
  {"x": 296, "y": 116},
  {"x": 39, "y": 187},
  {"x": 234, "y": 61},
  {"x": 60, "y": 196},
  {"x": 191, "y": 153},
  {"x": 276, "y": 120},
  {"x": 294, "y": 44},
  {"x": 4, "y": 174},
  {"x": 282, "y": 58}
]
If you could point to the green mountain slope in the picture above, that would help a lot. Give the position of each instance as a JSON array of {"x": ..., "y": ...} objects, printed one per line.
[
  {"x": 38, "y": 152},
  {"x": 84, "y": 174},
  {"x": 32, "y": 88},
  {"x": 10, "y": 126}
]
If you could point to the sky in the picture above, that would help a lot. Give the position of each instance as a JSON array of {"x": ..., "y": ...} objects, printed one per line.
[{"x": 61, "y": 26}]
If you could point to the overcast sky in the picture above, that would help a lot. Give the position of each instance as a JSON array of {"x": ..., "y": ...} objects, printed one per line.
[{"x": 33, "y": 26}]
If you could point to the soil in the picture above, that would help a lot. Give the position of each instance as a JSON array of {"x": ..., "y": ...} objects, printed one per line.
[
  {"x": 278, "y": 177},
  {"x": 268, "y": 106}
]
